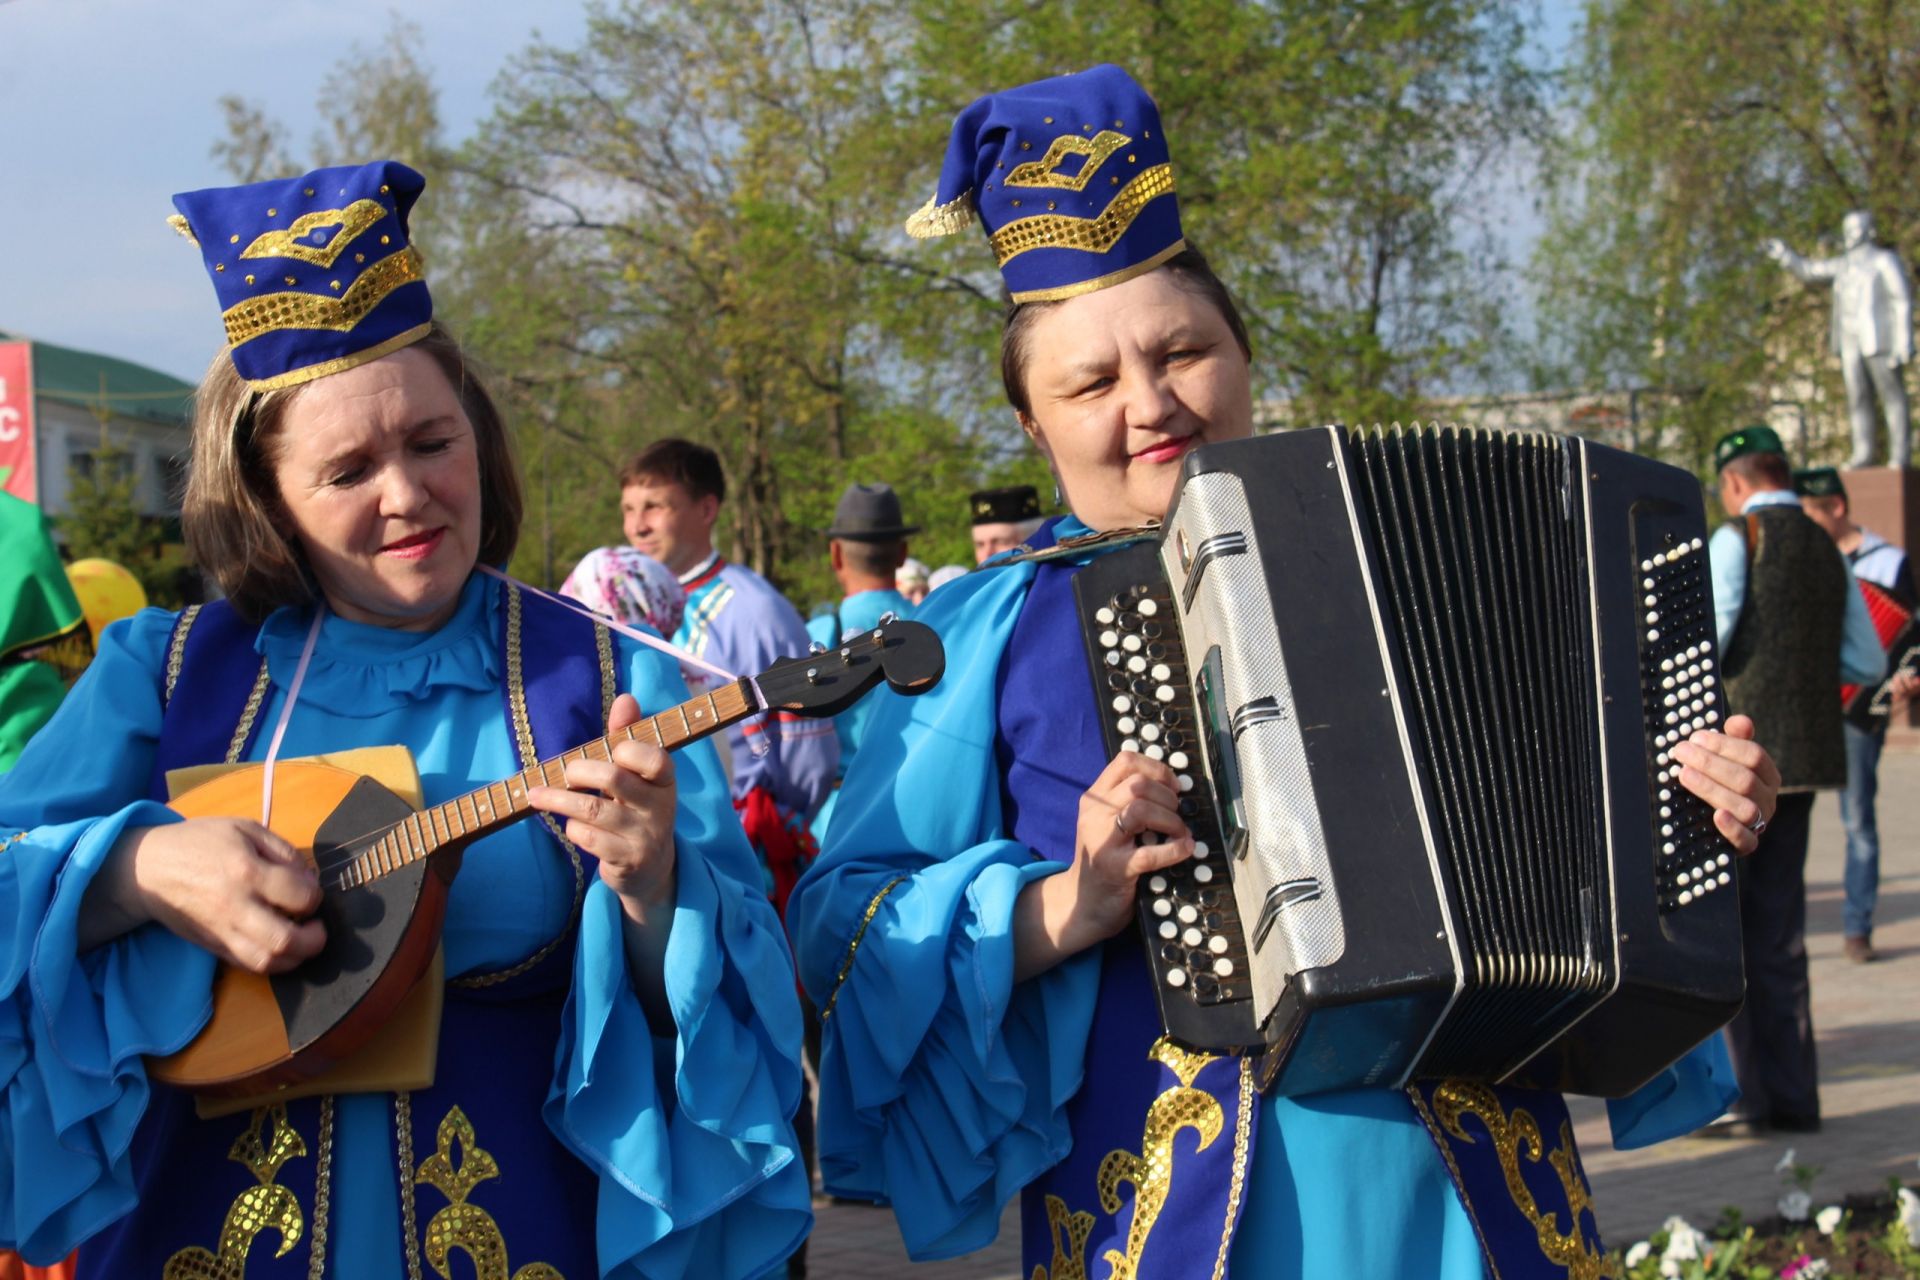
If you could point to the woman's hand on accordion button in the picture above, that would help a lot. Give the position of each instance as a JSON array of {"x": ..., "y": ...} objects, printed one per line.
[
  {"x": 1092, "y": 900},
  {"x": 1734, "y": 774}
]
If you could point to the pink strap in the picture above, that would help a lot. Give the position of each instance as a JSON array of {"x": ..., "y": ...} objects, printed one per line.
[
  {"x": 652, "y": 642},
  {"x": 286, "y": 714}
]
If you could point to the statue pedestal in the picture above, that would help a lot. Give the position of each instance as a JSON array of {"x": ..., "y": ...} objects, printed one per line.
[{"x": 1888, "y": 502}]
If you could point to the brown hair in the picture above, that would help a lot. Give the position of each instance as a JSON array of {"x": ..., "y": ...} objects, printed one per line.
[
  {"x": 1767, "y": 470},
  {"x": 693, "y": 467},
  {"x": 232, "y": 519},
  {"x": 1190, "y": 270}
]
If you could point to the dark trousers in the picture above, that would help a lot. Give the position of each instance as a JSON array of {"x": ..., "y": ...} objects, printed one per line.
[{"x": 1772, "y": 1039}]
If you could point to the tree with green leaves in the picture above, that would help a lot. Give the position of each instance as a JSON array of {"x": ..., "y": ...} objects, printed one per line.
[
  {"x": 103, "y": 520},
  {"x": 1695, "y": 132}
]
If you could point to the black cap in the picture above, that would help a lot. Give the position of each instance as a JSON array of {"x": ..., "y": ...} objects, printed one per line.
[
  {"x": 1005, "y": 506},
  {"x": 869, "y": 513},
  {"x": 1818, "y": 482}
]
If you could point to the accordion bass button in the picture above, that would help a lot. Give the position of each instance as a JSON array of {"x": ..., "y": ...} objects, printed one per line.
[
  {"x": 1104, "y": 615},
  {"x": 1189, "y": 914},
  {"x": 1162, "y": 907},
  {"x": 1149, "y": 606},
  {"x": 1178, "y": 759},
  {"x": 1176, "y": 977},
  {"x": 1169, "y": 930},
  {"x": 1223, "y": 967},
  {"x": 1201, "y": 849},
  {"x": 1193, "y": 937},
  {"x": 1203, "y": 874}
]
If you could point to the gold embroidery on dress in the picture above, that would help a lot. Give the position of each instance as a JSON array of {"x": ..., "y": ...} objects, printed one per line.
[
  {"x": 1070, "y": 1231},
  {"x": 297, "y": 242},
  {"x": 1091, "y": 235},
  {"x": 1151, "y": 1172},
  {"x": 465, "y": 1226},
  {"x": 853, "y": 948},
  {"x": 267, "y": 1207},
  {"x": 1456, "y": 1099},
  {"x": 273, "y": 312},
  {"x": 1044, "y": 172}
]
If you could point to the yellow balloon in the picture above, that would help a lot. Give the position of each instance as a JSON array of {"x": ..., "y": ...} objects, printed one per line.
[{"x": 107, "y": 593}]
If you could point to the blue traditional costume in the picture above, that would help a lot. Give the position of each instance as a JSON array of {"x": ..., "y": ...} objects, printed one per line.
[
  {"x": 946, "y": 1087},
  {"x": 563, "y": 1135}
]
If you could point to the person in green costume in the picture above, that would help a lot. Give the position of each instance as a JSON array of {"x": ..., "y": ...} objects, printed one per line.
[{"x": 37, "y": 609}]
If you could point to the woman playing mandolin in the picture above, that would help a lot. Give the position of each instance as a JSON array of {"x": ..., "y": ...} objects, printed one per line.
[
  {"x": 990, "y": 1021},
  {"x": 617, "y": 1047}
]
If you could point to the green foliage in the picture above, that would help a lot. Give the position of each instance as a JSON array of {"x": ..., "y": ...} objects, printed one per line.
[
  {"x": 1697, "y": 130},
  {"x": 690, "y": 224},
  {"x": 104, "y": 521}
]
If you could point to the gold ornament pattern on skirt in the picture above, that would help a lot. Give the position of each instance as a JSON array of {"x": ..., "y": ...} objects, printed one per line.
[
  {"x": 267, "y": 1207},
  {"x": 458, "y": 1166}
]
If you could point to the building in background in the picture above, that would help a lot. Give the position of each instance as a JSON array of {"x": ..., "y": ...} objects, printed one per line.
[{"x": 64, "y": 411}]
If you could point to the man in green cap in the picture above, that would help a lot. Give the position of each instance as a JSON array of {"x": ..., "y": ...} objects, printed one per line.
[
  {"x": 1789, "y": 619},
  {"x": 37, "y": 609},
  {"x": 1873, "y": 560}
]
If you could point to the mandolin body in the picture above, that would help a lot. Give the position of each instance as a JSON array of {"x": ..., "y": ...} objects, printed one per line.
[{"x": 268, "y": 1032}]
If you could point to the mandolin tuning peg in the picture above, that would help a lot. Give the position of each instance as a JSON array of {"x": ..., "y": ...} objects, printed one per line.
[
  {"x": 886, "y": 618},
  {"x": 816, "y": 648}
]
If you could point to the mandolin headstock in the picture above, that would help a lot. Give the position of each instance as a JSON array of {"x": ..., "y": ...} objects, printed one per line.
[{"x": 907, "y": 655}]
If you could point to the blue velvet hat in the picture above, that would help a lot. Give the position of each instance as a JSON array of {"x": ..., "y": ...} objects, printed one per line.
[
  {"x": 1072, "y": 179},
  {"x": 314, "y": 274}
]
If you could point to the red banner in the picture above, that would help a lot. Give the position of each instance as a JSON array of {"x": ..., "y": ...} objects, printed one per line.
[{"x": 16, "y": 420}]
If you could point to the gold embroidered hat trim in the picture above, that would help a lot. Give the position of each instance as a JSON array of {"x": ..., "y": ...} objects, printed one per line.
[
  {"x": 1100, "y": 282},
  {"x": 272, "y": 312},
  {"x": 951, "y": 218},
  {"x": 1044, "y": 171},
  {"x": 296, "y": 241},
  {"x": 1089, "y": 235},
  {"x": 294, "y": 377}
]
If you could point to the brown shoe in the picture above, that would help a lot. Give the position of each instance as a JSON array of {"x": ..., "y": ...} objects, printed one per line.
[{"x": 1859, "y": 948}]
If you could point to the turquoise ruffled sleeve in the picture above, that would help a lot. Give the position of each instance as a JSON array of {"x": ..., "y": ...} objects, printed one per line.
[
  {"x": 943, "y": 1084},
  {"x": 692, "y": 1139},
  {"x": 74, "y": 1029}
]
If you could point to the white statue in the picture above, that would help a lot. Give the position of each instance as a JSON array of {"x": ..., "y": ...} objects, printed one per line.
[{"x": 1872, "y": 331}]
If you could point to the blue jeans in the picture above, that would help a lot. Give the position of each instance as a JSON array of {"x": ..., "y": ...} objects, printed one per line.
[{"x": 1863, "y": 830}]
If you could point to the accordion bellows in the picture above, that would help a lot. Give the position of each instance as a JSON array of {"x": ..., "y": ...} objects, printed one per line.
[{"x": 1421, "y": 688}]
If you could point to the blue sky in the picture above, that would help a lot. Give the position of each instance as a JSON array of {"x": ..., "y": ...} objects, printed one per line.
[{"x": 107, "y": 107}]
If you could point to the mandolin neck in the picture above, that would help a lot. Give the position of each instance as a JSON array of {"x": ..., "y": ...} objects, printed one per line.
[{"x": 466, "y": 818}]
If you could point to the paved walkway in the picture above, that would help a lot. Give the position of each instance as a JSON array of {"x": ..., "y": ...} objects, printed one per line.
[{"x": 1867, "y": 1018}]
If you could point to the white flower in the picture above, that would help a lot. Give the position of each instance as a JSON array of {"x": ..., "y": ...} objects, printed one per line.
[
  {"x": 1813, "y": 1270},
  {"x": 1828, "y": 1219},
  {"x": 1910, "y": 1215},
  {"x": 1795, "y": 1205},
  {"x": 1670, "y": 1268},
  {"x": 1785, "y": 1166},
  {"x": 1638, "y": 1253},
  {"x": 1684, "y": 1243}
]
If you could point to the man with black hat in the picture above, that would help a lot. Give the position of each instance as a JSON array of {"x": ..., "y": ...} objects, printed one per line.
[
  {"x": 867, "y": 544},
  {"x": 1788, "y": 620},
  {"x": 1873, "y": 560},
  {"x": 1003, "y": 519}
]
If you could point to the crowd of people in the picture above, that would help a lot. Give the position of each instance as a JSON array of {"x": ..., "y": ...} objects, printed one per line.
[{"x": 893, "y": 947}]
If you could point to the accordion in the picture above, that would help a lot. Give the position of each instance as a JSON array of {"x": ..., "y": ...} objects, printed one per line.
[
  {"x": 1870, "y": 706},
  {"x": 1419, "y": 690}
]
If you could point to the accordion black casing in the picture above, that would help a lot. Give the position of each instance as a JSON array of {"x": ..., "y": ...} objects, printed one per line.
[{"x": 1419, "y": 689}]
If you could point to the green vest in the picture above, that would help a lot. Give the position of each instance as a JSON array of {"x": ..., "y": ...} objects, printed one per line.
[{"x": 1782, "y": 666}]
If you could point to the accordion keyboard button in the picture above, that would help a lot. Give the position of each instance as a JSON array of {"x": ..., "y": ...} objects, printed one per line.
[
  {"x": 1223, "y": 967},
  {"x": 1162, "y": 907},
  {"x": 1177, "y": 759},
  {"x": 1176, "y": 977},
  {"x": 1203, "y": 873},
  {"x": 1193, "y": 937},
  {"x": 1169, "y": 930},
  {"x": 1157, "y": 884},
  {"x": 1189, "y": 914}
]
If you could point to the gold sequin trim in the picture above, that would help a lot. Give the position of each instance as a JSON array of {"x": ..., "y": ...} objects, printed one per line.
[
  {"x": 1242, "y": 1139},
  {"x": 1100, "y": 282},
  {"x": 1044, "y": 171},
  {"x": 523, "y": 740},
  {"x": 1069, "y": 1231},
  {"x": 1151, "y": 1171},
  {"x": 322, "y": 1194},
  {"x": 179, "y": 223},
  {"x": 458, "y": 1165},
  {"x": 846, "y": 966},
  {"x": 409, "y": 1218},
  {"x": 244, "y": 729},
  {"x": 354, "y": 221},
  {"x": 272, "y": 312},
  {"x": 307, "y": 373},
  {"x": 1516, "y": 1136},
  {"x": 12, "y": 840},
  {"x": 931, "y": 219},
  {"x": 267, "y": 1206},
  {"x": 177, "y": 651},
  {"x": 1089, "y": 235}
]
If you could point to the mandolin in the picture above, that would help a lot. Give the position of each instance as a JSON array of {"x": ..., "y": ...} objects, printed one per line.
[{"x": 385, "y": 868}]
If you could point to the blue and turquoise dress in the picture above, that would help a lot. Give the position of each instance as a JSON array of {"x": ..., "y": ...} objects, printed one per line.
[
  {"x": 562, "y": 1136},
  {"x": 947, "y": 1088}
]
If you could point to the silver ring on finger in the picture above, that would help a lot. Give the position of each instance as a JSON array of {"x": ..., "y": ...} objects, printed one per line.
[
  {"x": 1759, "y": 826},
  {"x": 1120, "y": 823}
]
